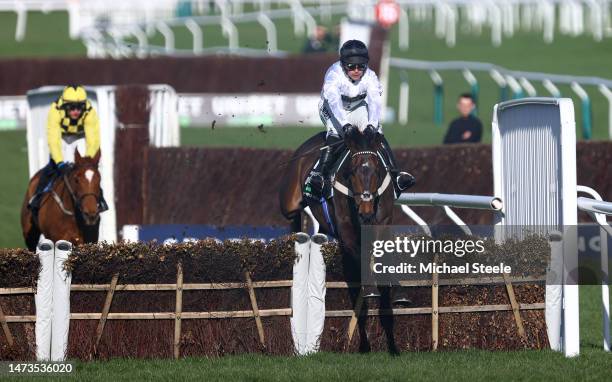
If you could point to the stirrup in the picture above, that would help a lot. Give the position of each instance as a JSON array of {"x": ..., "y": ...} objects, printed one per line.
[{"x": 370, "y": 291}]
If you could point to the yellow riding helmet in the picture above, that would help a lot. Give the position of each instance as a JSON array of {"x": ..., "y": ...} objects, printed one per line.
[{"x": 74, "y": 93}]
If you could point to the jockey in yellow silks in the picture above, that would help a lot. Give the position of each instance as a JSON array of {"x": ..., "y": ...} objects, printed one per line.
[{"x": 72, "y": 124}]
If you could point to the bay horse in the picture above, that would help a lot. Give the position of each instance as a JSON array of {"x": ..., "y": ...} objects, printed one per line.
[
  {"x": 70, "y": 209},
  {"x": 363, "y": 195}
]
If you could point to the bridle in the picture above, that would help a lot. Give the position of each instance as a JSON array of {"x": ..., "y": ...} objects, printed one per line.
[
  {"x": 77, "y": 200},
  {"x": 366, "y": 195}
]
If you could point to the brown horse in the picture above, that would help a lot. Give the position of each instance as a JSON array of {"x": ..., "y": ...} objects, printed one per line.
[
  {"x": 363, "y": 195},
  {"x": 70, "y": 210}
]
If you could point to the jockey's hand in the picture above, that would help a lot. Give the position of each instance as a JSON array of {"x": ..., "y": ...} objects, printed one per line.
[
  {"x": 369, "y": 130},
  {"x": 346, "y": 129},
  {"x": 62, "y": 168}
]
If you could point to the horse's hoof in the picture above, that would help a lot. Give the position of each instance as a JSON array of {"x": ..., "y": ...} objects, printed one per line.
[
  {"x": 402, "y": 301},
  {"x": 371, "y": 295},
  {"x": 319, "y": 239},
  {"x": 400, "y": 297},
  {"x": 302, "y": 237},
  {"x": 370, "y": 292}
]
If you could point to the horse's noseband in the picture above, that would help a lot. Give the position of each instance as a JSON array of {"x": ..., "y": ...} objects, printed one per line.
[{"x": 364, "y": 153}]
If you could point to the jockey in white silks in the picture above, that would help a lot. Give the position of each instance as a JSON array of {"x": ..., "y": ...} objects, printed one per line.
[{"x": 351, "y": 98}]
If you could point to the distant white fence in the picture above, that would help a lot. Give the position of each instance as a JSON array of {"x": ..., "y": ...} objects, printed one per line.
[
  {"x": 505, "y": 17},
  {"x": 104, "y": 26},
  {"x": 512, "y": 84}
]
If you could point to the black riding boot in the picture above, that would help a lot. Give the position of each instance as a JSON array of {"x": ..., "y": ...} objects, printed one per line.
[
  {"x": 318, "y": 183},
  {"x": 46, "y": 176},
  {"x": 401, "y": 180}
]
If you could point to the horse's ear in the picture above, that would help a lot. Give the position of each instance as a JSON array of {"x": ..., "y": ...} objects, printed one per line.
[
  {"x": 96, "y": 157},
  {"x": 77, "y": 155}
]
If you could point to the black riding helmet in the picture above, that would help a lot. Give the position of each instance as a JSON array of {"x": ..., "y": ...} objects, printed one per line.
[{"x": 354, "y": 52}]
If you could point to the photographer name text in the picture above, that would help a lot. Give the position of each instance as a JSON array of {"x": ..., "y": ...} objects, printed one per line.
[{"x": 443, "y": 268}]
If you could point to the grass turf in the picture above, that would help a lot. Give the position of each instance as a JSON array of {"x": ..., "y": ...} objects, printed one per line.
[
  {"x": 466, "y": 365},
  {"x": 46, "y": 35},
  {"x": 13, "y": 183}
]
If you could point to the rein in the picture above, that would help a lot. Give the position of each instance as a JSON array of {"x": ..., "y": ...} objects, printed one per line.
[{"x": 60, "y": 203}]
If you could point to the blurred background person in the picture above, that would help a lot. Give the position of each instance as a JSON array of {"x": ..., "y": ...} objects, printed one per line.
[
  {"x": 466, "y": 128},
  {"x": 320, "y": 41}
]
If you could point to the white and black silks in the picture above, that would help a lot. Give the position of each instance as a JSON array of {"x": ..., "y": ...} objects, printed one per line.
[{"x": 344, "y": 101}]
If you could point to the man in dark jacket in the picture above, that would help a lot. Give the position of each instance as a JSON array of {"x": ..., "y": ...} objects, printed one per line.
[{"x": 466, "y": 128}]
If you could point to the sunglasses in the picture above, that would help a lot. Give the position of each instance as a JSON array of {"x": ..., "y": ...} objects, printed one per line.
[
  {"x": 75, "y": 106},
  {"x": 355, "y": 66}
]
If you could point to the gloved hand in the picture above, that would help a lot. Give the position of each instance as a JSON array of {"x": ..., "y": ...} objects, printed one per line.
[
  {"x": 369, "y": 130},
  {"x": 62, "y": 168},
  {"x": 346, "y": 129}
]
